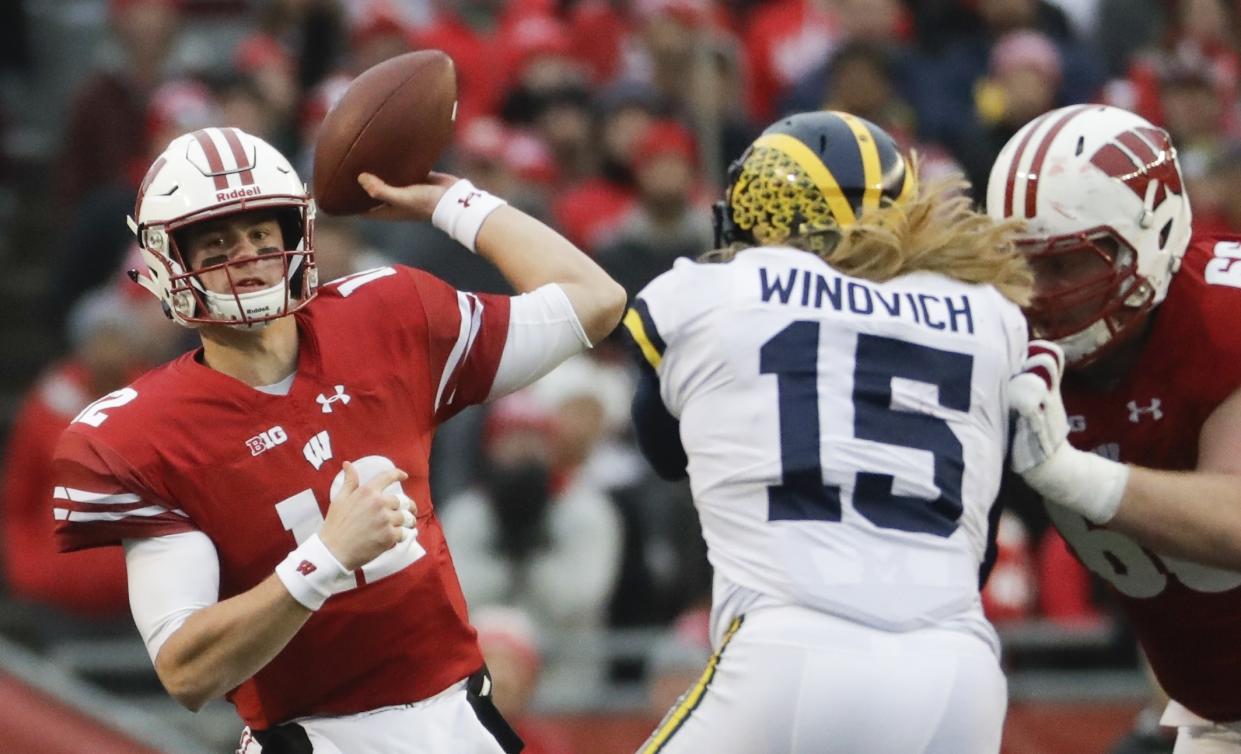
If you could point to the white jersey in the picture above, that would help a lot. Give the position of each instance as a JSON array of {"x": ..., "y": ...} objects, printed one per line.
[{"x": 845, "y": 438}]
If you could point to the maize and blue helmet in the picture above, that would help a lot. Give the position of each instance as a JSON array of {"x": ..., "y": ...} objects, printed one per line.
[{"x": 808, "y": 175}]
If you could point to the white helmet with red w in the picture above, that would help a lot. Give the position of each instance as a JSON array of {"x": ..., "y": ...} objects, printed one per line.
[
  {"x": 210, "y": 174},
  {"x": 1107, "y": 222}
]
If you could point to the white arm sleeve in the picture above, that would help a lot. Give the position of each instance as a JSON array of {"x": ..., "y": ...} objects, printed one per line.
[
  {"x": 170, "y": 578},
  {"x": 543, "y": 331}
]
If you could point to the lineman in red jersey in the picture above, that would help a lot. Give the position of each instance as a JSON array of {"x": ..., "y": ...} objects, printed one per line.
[
  {"x": 296, "y": 440},
  {"x": 1145, "y": 320}
]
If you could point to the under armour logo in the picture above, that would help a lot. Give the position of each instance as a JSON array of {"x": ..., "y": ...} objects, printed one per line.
[
  {"x": 327, "y": 400},
  {"x": 465, "y": 200},
  {"x": 306, "y": 568},
  {"x": 1136, "y": 411}
]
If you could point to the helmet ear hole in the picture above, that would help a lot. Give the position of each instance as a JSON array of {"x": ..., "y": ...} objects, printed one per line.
[
  {"x": 178, "y": 239},
  {"x": 290, "y": 221},
  {"x": 1164, "y": 233}
]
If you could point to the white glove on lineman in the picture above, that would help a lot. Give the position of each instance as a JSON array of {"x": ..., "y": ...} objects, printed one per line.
[{"x": 1083, "y": 482}]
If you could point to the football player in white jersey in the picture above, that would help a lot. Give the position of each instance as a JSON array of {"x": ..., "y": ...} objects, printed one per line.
[{"x": 834, "y": 381}]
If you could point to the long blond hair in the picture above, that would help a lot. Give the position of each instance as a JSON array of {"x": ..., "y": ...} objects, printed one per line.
[{"x": 937, "y": 230}]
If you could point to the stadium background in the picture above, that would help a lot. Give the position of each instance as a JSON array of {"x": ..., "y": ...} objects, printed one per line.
[{"x": 613, "y": 120}]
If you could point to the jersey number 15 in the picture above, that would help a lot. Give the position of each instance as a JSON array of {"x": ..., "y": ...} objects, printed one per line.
[{"x": 792, "y": 355}]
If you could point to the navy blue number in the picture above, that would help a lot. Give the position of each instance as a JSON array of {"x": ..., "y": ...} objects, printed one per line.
[
  {"x": 793, "y": 356},
  {"x": 878, "y": 361}
]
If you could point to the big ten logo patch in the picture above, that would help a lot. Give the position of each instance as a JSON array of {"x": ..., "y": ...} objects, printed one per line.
[{"x": 265, "y": 441}]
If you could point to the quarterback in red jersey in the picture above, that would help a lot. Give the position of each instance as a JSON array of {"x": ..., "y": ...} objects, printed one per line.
[
  {"x": 1147, "y": 488},
  {"x": 271, "y": 488}
]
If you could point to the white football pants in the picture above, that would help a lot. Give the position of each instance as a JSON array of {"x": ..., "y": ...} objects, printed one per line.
[{"x": 789, "y": 680}]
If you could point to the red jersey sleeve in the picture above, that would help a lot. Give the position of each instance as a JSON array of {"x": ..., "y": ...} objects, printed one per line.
[
  {"x": 466, "y": 333},
  {"x": 98, "y": 499}
]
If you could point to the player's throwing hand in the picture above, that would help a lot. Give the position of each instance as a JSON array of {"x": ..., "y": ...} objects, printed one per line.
[
  {"x": 416, "y": 201},
  {"x": 363, "y": 522}
]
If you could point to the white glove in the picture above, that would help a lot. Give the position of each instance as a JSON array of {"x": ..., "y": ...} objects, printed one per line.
[{"x": 1083, "y": 482}]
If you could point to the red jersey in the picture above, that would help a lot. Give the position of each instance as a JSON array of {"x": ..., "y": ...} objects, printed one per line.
[
  {"x": 1186, "y": 615},
  {"x": 384, "y": 357}
]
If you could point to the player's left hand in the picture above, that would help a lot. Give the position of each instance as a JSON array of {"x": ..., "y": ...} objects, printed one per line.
[
  {"x": 1080, "y": 481},
  {"x": 1034, "y": 393},
  {"x": 413, "y": 202}
]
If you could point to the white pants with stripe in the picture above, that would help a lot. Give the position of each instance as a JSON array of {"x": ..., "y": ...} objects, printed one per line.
[
  {"x": 788, "y": 680},
  {"x": 1197, "y": 735}
]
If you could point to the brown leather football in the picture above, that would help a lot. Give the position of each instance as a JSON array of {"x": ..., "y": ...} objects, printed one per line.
[{"x": 394, "y": 121}]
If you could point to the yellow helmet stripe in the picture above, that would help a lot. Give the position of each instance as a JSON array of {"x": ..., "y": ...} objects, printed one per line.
[
  {"x": 871, "y": 169},
  {"x": 818, "y": 172}
]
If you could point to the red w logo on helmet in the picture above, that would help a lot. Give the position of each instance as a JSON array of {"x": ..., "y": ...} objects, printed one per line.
[{"x": 1138, "y": 157}]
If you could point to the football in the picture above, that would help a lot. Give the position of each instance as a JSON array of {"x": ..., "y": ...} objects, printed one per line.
[{"x": 394, "y": 120}]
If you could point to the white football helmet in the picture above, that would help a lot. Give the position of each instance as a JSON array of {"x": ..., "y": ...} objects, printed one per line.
[
  {"x": 205, "y": 175},
  {"x": 1107, "y": 222}
]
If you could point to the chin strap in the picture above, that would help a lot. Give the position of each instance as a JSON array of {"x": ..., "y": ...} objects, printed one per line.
[{"x": 237, "y": 308}]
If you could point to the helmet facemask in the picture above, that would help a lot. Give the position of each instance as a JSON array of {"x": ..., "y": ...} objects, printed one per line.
[
  {"x": 191, "y": 303},
  {"x": 1089, "y": 296},
  {"x": 772, "y": 199}
]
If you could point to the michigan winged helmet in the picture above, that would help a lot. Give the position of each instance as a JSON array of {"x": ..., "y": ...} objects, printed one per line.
[{"x": 807, "y": 175}]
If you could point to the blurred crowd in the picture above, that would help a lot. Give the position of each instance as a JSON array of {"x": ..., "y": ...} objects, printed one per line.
[{"x": 615, "y": 121}]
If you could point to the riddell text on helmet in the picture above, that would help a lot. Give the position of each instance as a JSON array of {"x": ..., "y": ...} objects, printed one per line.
[{"x": 238, "y": 193}]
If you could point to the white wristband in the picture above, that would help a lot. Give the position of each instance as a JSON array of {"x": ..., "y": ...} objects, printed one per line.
[
  {"x": 312, "y": 574},
  {"x": 461, "y": 212},
  {"x": 1084, "y": 482}
]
